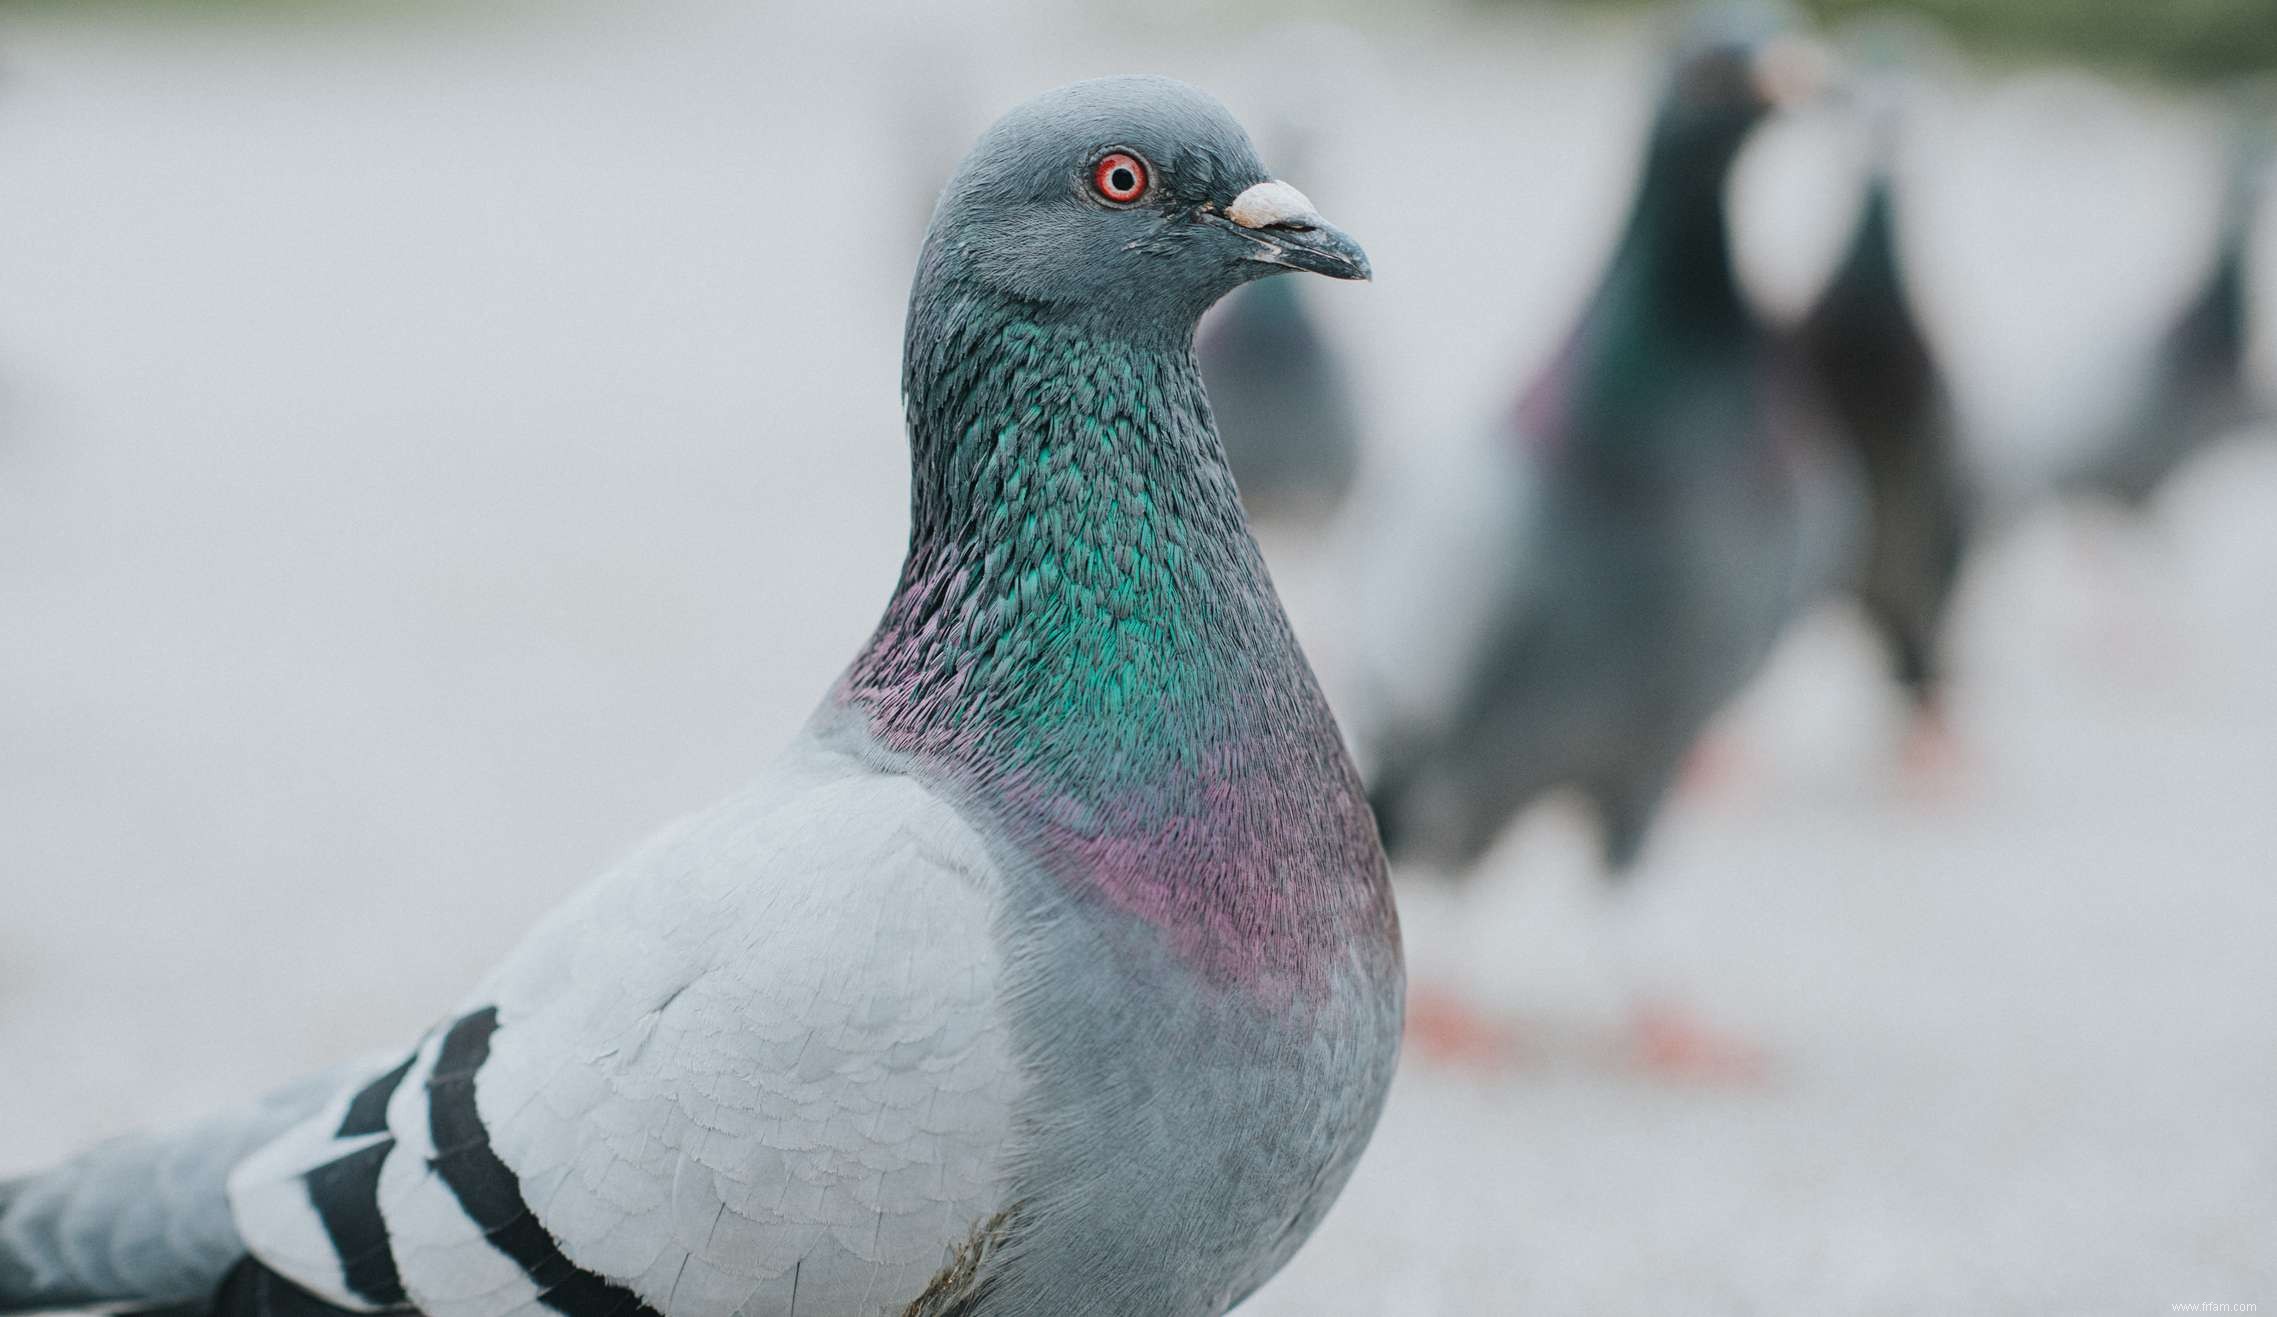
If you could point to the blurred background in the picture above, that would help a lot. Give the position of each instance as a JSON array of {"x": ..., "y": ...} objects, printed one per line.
[{"x": 441, "y": 442}]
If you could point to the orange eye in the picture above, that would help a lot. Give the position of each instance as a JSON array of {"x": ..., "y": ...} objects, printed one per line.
[{"x": 1120, "y": 177}]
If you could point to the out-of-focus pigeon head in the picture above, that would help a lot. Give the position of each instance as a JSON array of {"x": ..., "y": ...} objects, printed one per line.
[{"x": 1735, "y": 64}]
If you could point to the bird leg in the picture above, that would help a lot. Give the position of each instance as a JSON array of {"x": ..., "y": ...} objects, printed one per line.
[
  {"x": 1448, "y": 1029},
  {"x": 1934, "y": 762},
  {"x": 1718, "y": 766},
  {"x": 1671, "y": 1042}
]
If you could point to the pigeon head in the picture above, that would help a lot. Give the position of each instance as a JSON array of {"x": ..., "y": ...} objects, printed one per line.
[
  {"x": 1137, "y": 201},
  {"x": 1732, "y": 68}
]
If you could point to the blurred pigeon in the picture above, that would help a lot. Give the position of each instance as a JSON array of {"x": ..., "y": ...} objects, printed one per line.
[
  {"x": 1875, "y": 371},
  {"x": 1054, "y": 969},
  {"x": 1278, "y": 390},
  {"x": 1658, "y": 544},
  {"x": 1656, "y": 517},
  {"x": 2198, "y": 389}
]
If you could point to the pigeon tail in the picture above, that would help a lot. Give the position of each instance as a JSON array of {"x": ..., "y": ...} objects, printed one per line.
[
  {"x": 1626, "y": 805},
  {"x": 140, "y": 1222},
  {"x": 1622, "y": 844},
  {"x": 1911, "y": 642}
]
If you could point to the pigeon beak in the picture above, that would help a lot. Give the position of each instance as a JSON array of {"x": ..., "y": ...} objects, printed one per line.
[
  {"x": 1287, "y": 231},
  {"x": 1790, "y": 71}
]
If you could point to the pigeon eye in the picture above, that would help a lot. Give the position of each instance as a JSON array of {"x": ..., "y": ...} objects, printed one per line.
[{"x": 1120, "y": 177}]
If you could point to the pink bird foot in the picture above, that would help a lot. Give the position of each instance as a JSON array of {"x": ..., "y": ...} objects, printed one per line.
[
  {"x": 1718, "y": 767},
  {"x": 1670, "y": 1042},
  {"x": 1934, "y": 762},
  {"x": 1447, "y": 1029}
]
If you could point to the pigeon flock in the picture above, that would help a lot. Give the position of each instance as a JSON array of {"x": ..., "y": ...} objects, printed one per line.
[{"x": 1054, "y": 967}]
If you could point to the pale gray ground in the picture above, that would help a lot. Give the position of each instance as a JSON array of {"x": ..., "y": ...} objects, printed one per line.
[{"x": 432, "y": 454}]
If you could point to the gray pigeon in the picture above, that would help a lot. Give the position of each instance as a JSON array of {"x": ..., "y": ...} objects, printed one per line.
[
  {"x": 1874, "y": 368},
  {"x": 2198, "y": 388},
  {"x": 1053, "y": 970},
  {"x": 1659, "y": 533}
]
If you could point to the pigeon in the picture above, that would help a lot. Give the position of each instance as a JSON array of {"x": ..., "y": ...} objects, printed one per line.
[
  {"x": 2198, "y": 387},
  {"x": 1053, "y": 969},
  {"x": 1650, "y": 518},
  {"x": 1875, "y": 371},
  {"x": 1654, "y": 543}
]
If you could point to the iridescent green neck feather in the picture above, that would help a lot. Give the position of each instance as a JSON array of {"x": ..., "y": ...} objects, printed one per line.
[
  {"x": 1080, "y": 579},
  {"x": 1084, "y": 641}
]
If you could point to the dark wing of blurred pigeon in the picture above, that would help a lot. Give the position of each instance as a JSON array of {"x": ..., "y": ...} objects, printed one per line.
[
  {"x": 1873, "y": 366},
  {"x": 1668, "y": 526},
  {"x": 2197, "y": 390},
  {"x": 1282, "y": 403}
]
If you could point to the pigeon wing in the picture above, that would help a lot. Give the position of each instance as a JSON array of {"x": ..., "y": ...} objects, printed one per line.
[{"x": 766, "y": 1057}]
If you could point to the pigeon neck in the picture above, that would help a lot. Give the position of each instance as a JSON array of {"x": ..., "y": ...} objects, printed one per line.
[
  {"x": 1073, "y": 482},
  {"x": 1677, "y": 246},
  {"x": 2218, "y": 319},
  {"x": 1871, "y": 264},
  {"x": 1668, "y": 314},
  {"x": 1084, "y": 642}
]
